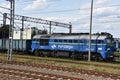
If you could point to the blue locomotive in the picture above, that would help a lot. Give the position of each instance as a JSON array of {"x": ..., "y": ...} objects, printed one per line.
[
  {"x": 74, "y": 45},
  {"x": 117, "y": 44}
]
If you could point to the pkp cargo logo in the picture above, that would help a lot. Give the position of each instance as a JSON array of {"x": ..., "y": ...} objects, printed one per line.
[{"x": 53, "y": 46}]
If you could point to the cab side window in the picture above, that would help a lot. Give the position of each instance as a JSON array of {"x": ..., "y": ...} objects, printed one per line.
[
  {"x": 75, "y": 41},
  {"x": 100, "y": 41},
  {"x": 44, "y": 42}
]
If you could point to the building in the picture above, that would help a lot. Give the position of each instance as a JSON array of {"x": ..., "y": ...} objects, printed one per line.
[{"x": 27, "y": 33}]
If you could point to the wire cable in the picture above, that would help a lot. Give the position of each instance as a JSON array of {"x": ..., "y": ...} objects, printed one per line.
[
  {"x": 71, "y": 10},
  {"x": 5, "y": 8},
  {"x": 1, "y": 13}
]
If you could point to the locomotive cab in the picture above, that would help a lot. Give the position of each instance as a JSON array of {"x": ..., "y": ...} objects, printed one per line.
[
  {"x": 110, "y": 48},
  {"x": 39, "y": 43},
  {"x": 105, "y": 47}
]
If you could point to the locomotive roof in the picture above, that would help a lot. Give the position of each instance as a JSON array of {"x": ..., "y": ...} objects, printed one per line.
[
  {"x": 102, "y": 37},
  {"x": 77, "y": 36},
  {"x": 41, "y": 36},
  {"x": 70, "y": 36}
]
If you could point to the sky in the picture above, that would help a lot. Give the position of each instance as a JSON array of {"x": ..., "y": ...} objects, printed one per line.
[{"x": 106, "y": 14}]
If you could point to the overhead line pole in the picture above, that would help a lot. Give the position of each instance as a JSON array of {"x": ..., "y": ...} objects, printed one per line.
[
  {"x": 5, "y": 8},
  {"x": 70, "y": 28},
  {"x": 21, "y": 35},
  {"x": 4, "y": 19},
  {"x": 12, "y": 6},
  {"x": 91, "y": 14},
  {"x": 50, "y": 28},
  {"x": 4, "y": 23}
]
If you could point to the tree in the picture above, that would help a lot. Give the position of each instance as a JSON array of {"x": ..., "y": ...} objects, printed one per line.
[
  {"x": 39, "y": 32},
  {"x": 4, "y": 31},
  {"x": 44, "y": 32},
  {"x": 33, "y": 33}
]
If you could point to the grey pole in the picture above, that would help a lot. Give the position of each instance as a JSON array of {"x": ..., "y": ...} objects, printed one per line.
[
  {"x": 70, "y": 28},
  {"x": 12, "y": 3},
  {"x": 4, "y": 23},
  {"x": 50, "y": 28},
  {"x": 4, "y": 19},
  {"x": 89, "y": 54},
  {"x": 22, "y": 32}
]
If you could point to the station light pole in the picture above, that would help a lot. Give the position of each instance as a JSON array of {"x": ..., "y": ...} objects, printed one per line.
[
  {"x": 12, "y": 6},
  {"x": 91, "y": 13}
]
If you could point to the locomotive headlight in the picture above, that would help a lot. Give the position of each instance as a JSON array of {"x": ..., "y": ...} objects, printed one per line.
[
  {"x": 108, "y": 49},
  {"x": 99, "y": 48}
]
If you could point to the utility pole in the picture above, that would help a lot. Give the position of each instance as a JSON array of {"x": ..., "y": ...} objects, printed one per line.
[
  {"x": 91, "y": 13},
  {"x": 12, "y": 6},
  {"x": 21, "y": 35},
  {"x": 50, "y": 29},
  {"x": 4, "y": 19},
  {"x": 70, "y": 28},
  {"x": 4, "y": 23}
]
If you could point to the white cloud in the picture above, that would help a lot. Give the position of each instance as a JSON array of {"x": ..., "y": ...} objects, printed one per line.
[
  {"x": 82, "y": 23},
  {"x": 37, "y": 4},
  {"x": 101, "y": 2},
  {"x": 76, "y": 22},
  {"x": 106, "y": 11},
  {"x": 99, "y": 8}
]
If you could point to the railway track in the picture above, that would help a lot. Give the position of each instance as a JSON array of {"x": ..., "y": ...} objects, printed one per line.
[
  {"x": 59, "y": 68},
  {"x": 25, "y": 74},
  {"x": 72, "y": 62}
]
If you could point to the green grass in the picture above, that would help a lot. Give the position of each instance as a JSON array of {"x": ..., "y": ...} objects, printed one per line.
[
  {"x": 81, "y": 66},
  {"x": 117, "y": 53},
  {"x": 118, "y": 56}
]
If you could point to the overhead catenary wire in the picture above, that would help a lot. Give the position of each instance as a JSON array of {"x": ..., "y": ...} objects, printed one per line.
[
  {"x": 1, "y": 13},
  {"x": 5, "y": 8},
  {"x": 105, "y": 22},
  {"x": 29, "y": 1},
  {"x": 94, "y": 29},
  {"x": 71, "y": 10},
  {"x": 80, "y": 9},
  {"x": 67, "y": 10},
  {"x": 98, "y": 22}
]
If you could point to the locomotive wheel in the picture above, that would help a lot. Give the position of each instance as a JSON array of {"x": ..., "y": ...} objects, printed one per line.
[
  {"x": 97, "y": 57},
  {"x": 100, "y": 58},
  {"x": 73, "y": 56},
  {"x": 36, "y": 53}
]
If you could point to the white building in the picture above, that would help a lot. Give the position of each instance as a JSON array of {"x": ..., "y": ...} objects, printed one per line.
[{"x": 25, "y": 34}]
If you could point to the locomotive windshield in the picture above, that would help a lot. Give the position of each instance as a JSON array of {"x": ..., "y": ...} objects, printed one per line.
[
  {"x": 44, "y": 42},
  {"x": 100, "y": 41},
  {"x": 109, "y": 42},
  {"x": 35, "y": 40}
]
